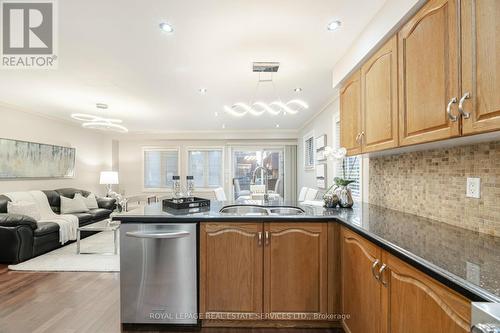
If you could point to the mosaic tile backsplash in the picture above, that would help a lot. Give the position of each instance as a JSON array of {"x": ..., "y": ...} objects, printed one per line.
[{"x": 432, "y": 184}]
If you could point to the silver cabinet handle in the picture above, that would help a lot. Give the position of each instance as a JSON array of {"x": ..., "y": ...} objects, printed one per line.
[
  {"x": 374, "y": 266},
  {"x": 259, "y": 238},
  {"x": 358, "y": 137},
  {"x": 158, "y": 235},
  {"x": 448, "y": 109},
  {"x": 464, "y": 114},
  {"x": 267, "y": 236},
  {"x": 381, "y": 275},
  {"x": 486, "y": 328}
]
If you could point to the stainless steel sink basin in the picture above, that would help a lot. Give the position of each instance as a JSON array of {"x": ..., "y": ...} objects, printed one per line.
[
  {"x": 244, "y": 210},
  {"x": 285, "y": 211},
  {"x": 254, "y": 210}
]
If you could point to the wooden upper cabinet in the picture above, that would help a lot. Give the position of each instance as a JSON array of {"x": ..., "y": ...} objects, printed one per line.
[
  {"x": 361, "y": 292},
  {"x": 231, "y": 268},
  {"x": 481, "y": 65},
  {"x": 295, "y": 266},
  {"x": 350, "y": 114},
  {"x": 379, "y": 89},
  {"x": 428, "y": 74},
  {"x": 418, "y": 304}
]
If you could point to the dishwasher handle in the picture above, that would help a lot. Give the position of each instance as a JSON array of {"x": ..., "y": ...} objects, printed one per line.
[{"x": 158, "y": 234}]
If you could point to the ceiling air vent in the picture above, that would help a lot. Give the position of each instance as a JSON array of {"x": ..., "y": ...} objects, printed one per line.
[{"x": 266, "y": 67}]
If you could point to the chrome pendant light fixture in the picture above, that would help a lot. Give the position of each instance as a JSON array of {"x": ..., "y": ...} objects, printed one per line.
[
  {"x": 258, "y": 108},
  {"x": 98, "y": 122}
]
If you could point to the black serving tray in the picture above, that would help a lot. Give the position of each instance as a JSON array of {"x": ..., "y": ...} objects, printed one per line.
[{"x": 186, "y": 203}]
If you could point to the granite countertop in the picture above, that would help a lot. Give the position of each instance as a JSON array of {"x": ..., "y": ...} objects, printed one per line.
[{"x": 464, "y": 260}]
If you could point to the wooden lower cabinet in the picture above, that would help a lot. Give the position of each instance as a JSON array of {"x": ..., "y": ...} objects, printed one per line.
[
  {"x": 295, "y": 270},
  {"x": 416, "y": 303},
  {"x": 277, "y": 269},
  {"x": 395, "y": 297},
  {"x": 361, "y": 293},
  {"x": 231, "y": 262}
]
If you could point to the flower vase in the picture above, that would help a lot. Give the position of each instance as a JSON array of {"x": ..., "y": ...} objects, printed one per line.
[{"x": 345, "y": 196}]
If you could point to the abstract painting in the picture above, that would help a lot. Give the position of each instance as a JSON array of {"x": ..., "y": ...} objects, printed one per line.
[{"x": 22, "y": 159}]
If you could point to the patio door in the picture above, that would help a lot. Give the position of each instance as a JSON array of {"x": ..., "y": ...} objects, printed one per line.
[{"x": 246, "y": 160}]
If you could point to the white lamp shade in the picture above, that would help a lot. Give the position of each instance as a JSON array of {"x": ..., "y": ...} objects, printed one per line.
[{"x": 108, "y": 178}]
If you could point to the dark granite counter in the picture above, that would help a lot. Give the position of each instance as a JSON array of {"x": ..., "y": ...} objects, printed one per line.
[{"x": 466, "y": 261}]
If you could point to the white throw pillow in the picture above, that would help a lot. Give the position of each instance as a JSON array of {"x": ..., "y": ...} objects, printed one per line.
[
  {"x": 71, "y": 206},
  {"x": 90, "y": 200},
  {"x": 24, "y": 208}
]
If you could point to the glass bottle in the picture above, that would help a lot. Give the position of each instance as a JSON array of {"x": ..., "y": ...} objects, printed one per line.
[
  {"x": 176, "y": 187},
  {"x": 189, "y": 186}
]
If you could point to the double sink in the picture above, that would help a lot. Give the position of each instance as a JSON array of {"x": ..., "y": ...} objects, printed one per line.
[{"x": 256, "y": 210}]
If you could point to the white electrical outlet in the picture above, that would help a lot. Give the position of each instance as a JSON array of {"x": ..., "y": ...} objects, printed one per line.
[{"x": 473, "y": 188}]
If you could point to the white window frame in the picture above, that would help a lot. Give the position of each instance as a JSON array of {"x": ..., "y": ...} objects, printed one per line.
[
  {"x": 336, "y": 140},
  {"x": 170, "y": 149},
  {"x": 309, "y": 136},
  {"x": 205, "y": 148}
]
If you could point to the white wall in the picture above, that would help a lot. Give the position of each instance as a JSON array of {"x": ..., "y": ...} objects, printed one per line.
[
  {"x": 321, "y": 124},
  {"x": 93, "y": 149}
]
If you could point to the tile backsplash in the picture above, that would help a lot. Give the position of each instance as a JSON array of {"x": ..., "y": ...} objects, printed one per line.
[{"x": 432, "y": 184}]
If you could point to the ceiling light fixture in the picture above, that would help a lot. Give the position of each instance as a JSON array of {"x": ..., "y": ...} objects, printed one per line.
[
  {"x": 297, "y": 90},
  {"x": 98, "y": 122},
  {"x": 334, "y": 25},
  {"x": 166, "y": 27},
  {"x": 258, "y": 108},
  {"x": 202, "y": 91},
  {"x": 277, "y": 125}
]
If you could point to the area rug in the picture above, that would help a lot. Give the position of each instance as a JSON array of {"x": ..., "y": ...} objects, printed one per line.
[{"x": 65, "y": 259}]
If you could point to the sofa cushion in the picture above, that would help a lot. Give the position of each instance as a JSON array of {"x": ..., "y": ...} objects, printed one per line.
[
  {"x": 3, "y": 203},
  {"x": 24, "y": 208},
  {"x": 84, "y": 218},
  {"x": 70, "y": 192},
  {"x": 100, "y": 213},
  {"x": 46, "y": 228},
  {"x": 75, "y": 205},
  {"x": 54, "y": 200}
]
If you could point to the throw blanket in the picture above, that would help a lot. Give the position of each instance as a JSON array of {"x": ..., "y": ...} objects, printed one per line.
[{"x": 68, "y": 224}]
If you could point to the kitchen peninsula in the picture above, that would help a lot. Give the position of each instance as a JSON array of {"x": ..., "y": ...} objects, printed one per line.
[{"x": 286, "y": 264}]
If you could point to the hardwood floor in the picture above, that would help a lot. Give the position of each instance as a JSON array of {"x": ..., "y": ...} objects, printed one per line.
[{"x": 69, "y": 302}]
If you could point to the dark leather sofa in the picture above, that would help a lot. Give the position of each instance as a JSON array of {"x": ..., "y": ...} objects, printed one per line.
[{"x": 22, "y": 238}]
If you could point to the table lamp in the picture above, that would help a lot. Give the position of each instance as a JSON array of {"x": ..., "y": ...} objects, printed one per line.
[{"x": 109, "y": 178}]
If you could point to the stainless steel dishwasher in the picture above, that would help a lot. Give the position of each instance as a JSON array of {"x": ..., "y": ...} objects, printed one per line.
[{"x": 158, "y": 273}]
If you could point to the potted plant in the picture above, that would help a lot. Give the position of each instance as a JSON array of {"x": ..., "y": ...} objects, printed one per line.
[{"x": 339, "y": 192}]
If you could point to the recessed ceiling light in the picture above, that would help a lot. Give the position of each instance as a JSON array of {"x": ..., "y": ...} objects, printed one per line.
[
  {"x": 277, "y": 125},
  {"x": 334, "y": 25},
  {"x": 166, "y": 27},
  {"x": 297, "y": 90},
  {"x": 202, "y": 91}
]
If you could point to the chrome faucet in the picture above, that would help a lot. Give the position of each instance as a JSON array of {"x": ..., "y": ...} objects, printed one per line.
[{"x": 266, "y": 194}]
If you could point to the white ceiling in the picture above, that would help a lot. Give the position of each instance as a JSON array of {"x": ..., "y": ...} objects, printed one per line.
[{"x": 114, "y": 52}]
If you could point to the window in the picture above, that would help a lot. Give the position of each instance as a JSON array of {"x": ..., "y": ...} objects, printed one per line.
[
  {"x": 160, "y": 165},
  {"x": 309, "y": 151},
  {"x": 351, "y": 165},
  {"x": 206, "y": 167}
]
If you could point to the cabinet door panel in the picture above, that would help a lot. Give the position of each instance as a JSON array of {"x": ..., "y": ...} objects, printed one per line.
[
  {"x": 361, "y": 292},
  {"x": 428, "y": 63},
  {"x": 231, "y": 268},
  {"x": 419, "y": 304},
  {"x": 350, "y": 114},
  {"x": 379, "y": 78},
  {"x": 296, "y": 271},
  {"x": 481, "y": 64}
]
